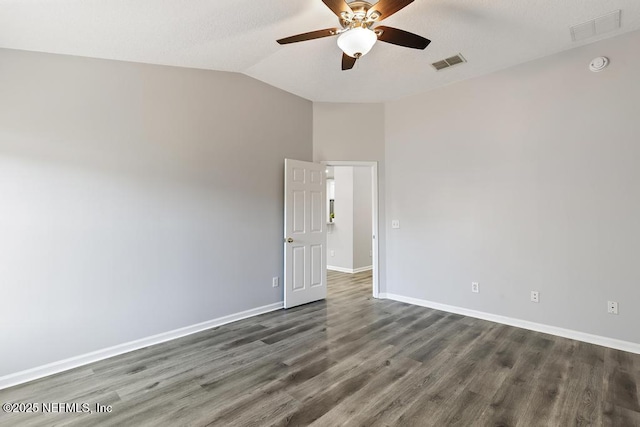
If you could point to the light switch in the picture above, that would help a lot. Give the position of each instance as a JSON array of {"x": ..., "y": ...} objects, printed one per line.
[{"x": 395, "y": 223}]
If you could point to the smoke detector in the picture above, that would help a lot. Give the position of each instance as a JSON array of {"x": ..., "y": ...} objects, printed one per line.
[{"x": 599, "y": 64}]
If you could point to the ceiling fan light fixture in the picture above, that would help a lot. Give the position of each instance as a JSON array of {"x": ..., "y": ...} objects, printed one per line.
[{"x": 357, "y": 42}]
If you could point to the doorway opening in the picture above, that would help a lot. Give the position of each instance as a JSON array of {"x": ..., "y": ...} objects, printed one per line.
[{"x": 352, "y": 219}]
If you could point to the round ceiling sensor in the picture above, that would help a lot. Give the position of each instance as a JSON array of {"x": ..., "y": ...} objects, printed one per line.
[{"x": 599, "y": 64}]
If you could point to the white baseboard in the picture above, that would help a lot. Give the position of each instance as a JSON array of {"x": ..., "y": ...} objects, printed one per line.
[
  {"x": 525, "y": 324},
  {"x": 84, "y": 359},
  {"x": 349, "y": 270}
]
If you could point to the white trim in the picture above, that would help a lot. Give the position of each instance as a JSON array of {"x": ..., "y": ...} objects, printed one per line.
[
  {"x": 525, "y": 324},
  {"x": 347, "y": 163},
  {"x": 375, "y": 216},
  {"x": 84, "y": 359},
  {"x": 339, "y": 269},
  {"x": 375, "y": 236},
  {"x": 349, "y": 270}
]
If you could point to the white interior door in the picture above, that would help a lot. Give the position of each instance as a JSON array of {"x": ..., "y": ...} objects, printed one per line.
[{"x": 305, "y": 273}]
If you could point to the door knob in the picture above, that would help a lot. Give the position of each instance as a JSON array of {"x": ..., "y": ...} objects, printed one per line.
[{"x": 289, "y": 240}]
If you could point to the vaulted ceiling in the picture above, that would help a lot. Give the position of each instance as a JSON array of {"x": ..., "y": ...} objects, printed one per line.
[{"x": 239, "y": 36}]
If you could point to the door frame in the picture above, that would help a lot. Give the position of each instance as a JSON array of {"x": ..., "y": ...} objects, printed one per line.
[{"x": 375, "y": 238}]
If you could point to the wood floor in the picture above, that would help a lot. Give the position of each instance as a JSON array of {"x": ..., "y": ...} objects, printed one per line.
[{"x": 350, "y": 360}]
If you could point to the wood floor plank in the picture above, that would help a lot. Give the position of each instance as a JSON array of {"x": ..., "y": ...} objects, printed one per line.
[
  {"x": 325, "y": 399},
  {"x": 395, "y": 371},
  {"x": 350, "y": 360},
  {"x": 514, "y": 392},
  {"x": 549, "y": 387},
  {"x": 390, "y": 406}
]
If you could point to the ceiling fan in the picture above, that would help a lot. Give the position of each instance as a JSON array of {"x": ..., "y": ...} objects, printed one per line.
[{"x": 357, "y": 35}]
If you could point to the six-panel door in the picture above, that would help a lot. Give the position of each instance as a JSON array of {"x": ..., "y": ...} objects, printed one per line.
[{"x": 305, "y": 235}]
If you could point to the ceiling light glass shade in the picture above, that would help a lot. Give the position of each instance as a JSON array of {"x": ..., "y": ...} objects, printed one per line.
[{"x": 357, "y": 42}]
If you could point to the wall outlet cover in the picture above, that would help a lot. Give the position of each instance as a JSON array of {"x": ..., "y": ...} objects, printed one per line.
[
  {"x": 275, "y": 282},
  {"x": 475, "y": 287},
  {"x": 535, "y": 296}
]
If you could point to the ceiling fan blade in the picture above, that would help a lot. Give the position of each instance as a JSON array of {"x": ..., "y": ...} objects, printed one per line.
[
  {"x": 402, "y": 38},
  {"x": 386, "y": 8},
  {"x": 338, "y": 7},
  {"x": 347, "y": 62},
  {"x": 309, "y": 36}
]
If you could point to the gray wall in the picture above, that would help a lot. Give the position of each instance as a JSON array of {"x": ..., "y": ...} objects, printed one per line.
[
  {"x": 354, "y": 132},
  {"x": 361, "y": 217},
  {"x": 525, "y": 179},
  {"x": 135, "y": 199}
]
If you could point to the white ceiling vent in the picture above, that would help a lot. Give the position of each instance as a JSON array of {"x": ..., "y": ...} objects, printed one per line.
[
  {"x": 449, "y": 62},
  {"x": 595, "y": 27}
]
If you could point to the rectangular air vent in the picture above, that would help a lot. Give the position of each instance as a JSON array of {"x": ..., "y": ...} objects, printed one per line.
[
  {"x": 595, "y": 27},
  {"x": 449, "y": 62}
]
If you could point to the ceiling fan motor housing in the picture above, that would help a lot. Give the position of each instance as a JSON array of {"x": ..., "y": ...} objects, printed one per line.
[{"x": 360, "y": 16}]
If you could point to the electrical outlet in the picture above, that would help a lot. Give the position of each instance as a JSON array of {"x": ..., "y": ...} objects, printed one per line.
[
  {"x": 395, "y": 223},
  {"x": 332, "y": 253},
  {"x": 275, "y": 282},
  {"x": 475, "y": 287},
  {"x": 535, "y": 296},
  {"x": 612, "y": 307}
]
